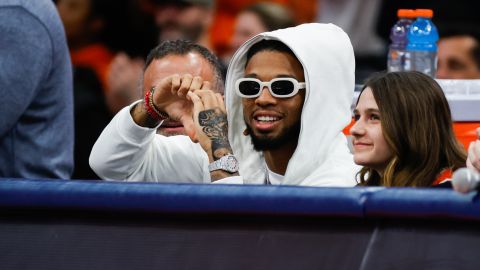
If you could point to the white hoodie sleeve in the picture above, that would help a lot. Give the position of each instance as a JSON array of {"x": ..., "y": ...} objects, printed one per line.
[{"x": 127, "y": 151}]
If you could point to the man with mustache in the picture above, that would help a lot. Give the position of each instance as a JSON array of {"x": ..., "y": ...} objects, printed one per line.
[{"x": 119, "y": 153}]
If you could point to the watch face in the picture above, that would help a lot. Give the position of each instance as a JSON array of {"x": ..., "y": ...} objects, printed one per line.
[{"x": 231, "y": 164}]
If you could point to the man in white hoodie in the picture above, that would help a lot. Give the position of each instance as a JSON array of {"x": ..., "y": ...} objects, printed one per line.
[
  {"x": 288, "y": 95},
  {"x": 297, "y": 135}
]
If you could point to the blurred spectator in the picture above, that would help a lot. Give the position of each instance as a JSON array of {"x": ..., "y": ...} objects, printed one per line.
[
  {"x": 95, "y": 29},
  {"x": 459, "y": 53},
  {"x": 36, "y": 123},
  {"x": 124, "y": 81},
  {"x": 182, "y": 19},
  {"x": 85, "y": 23},
  {"x": 138, "y": 36},
  {"x": 226, "y": 12},
  {"x": 258, "y": 18}
]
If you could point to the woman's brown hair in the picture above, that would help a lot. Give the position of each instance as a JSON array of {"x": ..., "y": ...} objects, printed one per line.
[{"x": 417, "y": 126}]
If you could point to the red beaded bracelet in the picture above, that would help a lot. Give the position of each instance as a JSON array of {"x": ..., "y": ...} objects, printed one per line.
[{"x": 151, "y": 108}]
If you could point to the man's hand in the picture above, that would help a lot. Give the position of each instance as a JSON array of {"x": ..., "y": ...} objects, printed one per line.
[
  {"x": 170, "y": 97},
  {"x": 473, "y": 160},
  {"x": 211, "y": 125}
]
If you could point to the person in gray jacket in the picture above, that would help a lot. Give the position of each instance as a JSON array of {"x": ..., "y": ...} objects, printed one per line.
[{"x": 36, "y": 115}]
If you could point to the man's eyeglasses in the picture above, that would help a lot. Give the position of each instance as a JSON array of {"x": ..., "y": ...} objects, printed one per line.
[{"x": 279, "y": 87}]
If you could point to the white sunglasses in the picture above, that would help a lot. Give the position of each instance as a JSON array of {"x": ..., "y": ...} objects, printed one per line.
[{"x": 279, "y": 87}]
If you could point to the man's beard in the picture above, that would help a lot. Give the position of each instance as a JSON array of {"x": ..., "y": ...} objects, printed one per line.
[{"x": 290, "y": 134}]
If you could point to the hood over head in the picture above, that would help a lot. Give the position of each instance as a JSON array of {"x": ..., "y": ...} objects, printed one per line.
[{"x": 322, "y": 157}]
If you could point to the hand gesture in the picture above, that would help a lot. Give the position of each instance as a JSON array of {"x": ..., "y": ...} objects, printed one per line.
[{"x": 170, "y": 97}]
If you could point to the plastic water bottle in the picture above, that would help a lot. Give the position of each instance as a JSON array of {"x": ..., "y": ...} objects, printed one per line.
[
  {"x": 422, "y": 43},
  {"x": 398, "y": 37}
]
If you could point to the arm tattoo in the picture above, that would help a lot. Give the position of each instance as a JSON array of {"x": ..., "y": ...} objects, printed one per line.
[{"x": 214, "y": 125}]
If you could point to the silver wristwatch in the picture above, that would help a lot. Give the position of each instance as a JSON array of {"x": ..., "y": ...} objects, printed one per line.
[{"x": 227, "y": 163}]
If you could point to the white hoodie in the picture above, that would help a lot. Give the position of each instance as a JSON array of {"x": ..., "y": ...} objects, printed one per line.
[{"x": 322, "y": 157}]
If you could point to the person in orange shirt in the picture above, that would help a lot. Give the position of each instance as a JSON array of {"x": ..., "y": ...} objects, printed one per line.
[{"x": 403, "y": 133}]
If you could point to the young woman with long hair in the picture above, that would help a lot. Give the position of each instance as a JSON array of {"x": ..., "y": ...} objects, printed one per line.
[{"x": 403, "y": 135}]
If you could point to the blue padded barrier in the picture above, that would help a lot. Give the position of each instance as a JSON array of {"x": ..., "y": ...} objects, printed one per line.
[
  {"x": 178, "y": 198},
  {"x": 112, "y": 225},
  {"x": 422, "y": 203},
  {"x": 183, "y": 198},
  {"x": 275, "y": 200}
]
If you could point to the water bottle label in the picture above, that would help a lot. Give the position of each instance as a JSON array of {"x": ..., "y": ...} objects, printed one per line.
[
  {"x": 424, "y": 61},
  {"x": 395, "y": 60},
  {"x": 422, "y": 47}
]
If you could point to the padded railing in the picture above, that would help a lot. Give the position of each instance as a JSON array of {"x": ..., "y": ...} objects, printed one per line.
[
  {"x": 239, "y": 199},
  {"x": 178, "y": 198},
  {"x": 58, "y": 224}
]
